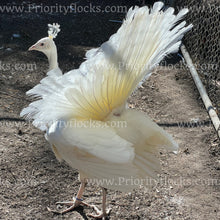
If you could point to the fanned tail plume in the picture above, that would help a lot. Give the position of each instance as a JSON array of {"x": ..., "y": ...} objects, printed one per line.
[{"x": 111, "y": 73}]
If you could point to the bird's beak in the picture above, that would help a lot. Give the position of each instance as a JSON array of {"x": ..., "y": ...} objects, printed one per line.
[{"x": 33, "y": 47}]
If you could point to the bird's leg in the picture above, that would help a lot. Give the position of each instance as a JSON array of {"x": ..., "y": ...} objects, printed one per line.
[
  {"x": 74, "y": 203},
  {"x": 103, "y": 213}
]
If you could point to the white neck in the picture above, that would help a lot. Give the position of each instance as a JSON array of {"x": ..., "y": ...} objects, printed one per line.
[{"x": 52, "y": 58}]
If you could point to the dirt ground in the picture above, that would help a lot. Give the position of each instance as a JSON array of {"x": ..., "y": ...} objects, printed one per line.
[{"x": 31, "y": 177}]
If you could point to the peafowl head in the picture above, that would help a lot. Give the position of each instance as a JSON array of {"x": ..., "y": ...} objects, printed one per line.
[
  {"x": 44, "y": 45},
  {"x": 47, "y": 46}
]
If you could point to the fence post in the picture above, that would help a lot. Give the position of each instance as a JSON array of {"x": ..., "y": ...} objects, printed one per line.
[{"x": 207, "y": 102}]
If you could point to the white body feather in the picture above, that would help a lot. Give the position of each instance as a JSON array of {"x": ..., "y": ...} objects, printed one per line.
[{"x": 97, "y": 92}]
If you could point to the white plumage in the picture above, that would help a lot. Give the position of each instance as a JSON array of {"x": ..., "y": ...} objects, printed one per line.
[{"x": 97, "y": 92}]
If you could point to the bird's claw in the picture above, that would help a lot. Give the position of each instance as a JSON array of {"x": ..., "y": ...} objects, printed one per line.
[
  {"x": 71, "y": 208},
  {"x": 68, "y": 203},
  {"x": 72, "y": 204},
  {"x": 100, "y": 213}
]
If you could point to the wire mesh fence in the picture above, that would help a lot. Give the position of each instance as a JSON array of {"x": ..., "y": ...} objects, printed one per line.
[{"x": 203, "y": 42}]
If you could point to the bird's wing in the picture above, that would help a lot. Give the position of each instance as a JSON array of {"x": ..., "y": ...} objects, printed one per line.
[
  {"x": 50, "y": 103},
  {"x": 92, "y": 137},
  {"x": 47, "y": 86}
]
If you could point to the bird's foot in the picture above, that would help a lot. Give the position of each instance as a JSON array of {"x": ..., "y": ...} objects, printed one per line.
[
  {"x": 100, "y": 214},
  {"x": 72, "y": 205}
]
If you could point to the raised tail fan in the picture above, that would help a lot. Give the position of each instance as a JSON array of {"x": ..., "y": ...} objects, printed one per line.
[{"x": 113, "y": 71}]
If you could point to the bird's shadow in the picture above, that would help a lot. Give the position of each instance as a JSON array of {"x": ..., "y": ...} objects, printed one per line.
[{"x": 81, "y": 211}]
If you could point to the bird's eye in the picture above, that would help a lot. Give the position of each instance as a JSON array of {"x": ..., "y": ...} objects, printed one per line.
[{"x": 42, "y": 44}]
